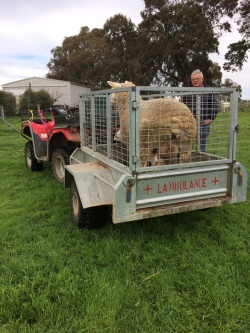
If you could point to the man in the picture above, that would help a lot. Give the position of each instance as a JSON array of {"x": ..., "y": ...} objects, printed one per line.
[{"x": 208, "y": 107}]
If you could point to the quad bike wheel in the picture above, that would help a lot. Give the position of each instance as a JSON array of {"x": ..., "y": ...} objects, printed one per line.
[
  {"x": 60, "y": 158},
  {"x": 30, "y": 159},
  {"x": 86, "y": 218}
]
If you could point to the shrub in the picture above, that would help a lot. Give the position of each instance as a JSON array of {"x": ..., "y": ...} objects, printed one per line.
[{"x": 8, "y": 101}]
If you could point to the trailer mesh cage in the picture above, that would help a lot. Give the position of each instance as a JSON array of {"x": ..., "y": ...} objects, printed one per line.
[{"x": 143, "y": 128}]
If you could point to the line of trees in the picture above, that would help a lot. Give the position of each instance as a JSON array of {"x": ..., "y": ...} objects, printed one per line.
[
  {"x": 32, "y": 99},
  {"x": 28, "y": 100},
  {"x": 174, "y": 38}
]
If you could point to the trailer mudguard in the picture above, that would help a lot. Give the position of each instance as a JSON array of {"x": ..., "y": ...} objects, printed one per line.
[{"x": 94, "y": 183}]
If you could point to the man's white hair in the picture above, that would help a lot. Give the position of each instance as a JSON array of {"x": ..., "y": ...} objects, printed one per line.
[{"x": 197, "y": 71}]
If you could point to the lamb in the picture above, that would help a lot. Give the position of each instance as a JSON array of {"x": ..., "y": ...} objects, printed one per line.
[{"x": 167, "y": 128}]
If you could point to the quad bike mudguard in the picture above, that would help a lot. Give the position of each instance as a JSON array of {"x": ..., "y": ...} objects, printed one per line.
[{"x": 40, "y": 135}]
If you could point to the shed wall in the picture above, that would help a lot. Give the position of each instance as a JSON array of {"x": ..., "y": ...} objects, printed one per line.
[{"x": 64, "y": 92}]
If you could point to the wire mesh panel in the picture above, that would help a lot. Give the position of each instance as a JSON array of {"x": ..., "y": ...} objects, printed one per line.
[
  {"x": 146, "y": 127},
  {"x": 212, "y": 111},
  {"x": 100, "y": 121}
]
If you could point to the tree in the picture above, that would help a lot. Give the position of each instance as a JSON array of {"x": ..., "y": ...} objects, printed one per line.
[
  {"x": 83, "y": 59},
  {"x": 120, "y": 34},
  {"x": 174, "y": 38},
  {"x": 121, "y": 51},
  {"x": 184, "y": 35},
  {"x": 128, "y": 60},
  {"x": 8, "y": 101},
  {"x": 93, "y": 57},
  {"x": 41, "y": 98},
  {"x": 238, "y": 52},
  {"x": 228, "y": 83}
]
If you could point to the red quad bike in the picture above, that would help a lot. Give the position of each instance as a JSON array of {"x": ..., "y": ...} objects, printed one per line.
[{"x": 51, "y": 139}]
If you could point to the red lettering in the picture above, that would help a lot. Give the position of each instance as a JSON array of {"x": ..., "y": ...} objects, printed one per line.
[
  {"x": 204, "y": 182},
  {"x": 197, "y": 183},
  {"x": 183, "y": 185},
  {"x": 165, "y": 188},
  {"x": 172, "y": 186}
]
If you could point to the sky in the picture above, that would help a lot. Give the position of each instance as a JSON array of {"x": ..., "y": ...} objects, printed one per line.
[{"x": 30, "y": 29}]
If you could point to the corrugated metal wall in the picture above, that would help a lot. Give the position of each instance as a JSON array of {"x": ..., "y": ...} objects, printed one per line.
[{"x": 64, "y": 92}]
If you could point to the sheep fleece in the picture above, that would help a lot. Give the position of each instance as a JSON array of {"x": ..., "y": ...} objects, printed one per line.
[{"x": 166, "y": 125}]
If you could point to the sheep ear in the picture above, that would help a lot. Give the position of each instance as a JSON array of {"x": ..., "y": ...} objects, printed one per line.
[{"x": 110, "y": 83}]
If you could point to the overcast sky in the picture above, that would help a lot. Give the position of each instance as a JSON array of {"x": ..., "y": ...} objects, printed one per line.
[{"x": 30, "y": 29}]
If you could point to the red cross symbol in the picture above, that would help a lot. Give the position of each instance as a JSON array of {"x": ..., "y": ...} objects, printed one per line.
[
  {"x": 215, "y": 180},
  {"x": 147, "y": 189}
]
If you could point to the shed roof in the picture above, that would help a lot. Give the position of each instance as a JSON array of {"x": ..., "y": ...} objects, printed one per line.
[{"x": 42, "y": 78}]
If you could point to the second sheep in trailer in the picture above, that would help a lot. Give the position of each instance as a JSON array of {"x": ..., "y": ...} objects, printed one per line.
[{"x": 167, "y": 127}]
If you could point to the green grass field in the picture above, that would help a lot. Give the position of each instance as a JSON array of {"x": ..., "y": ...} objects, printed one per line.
[{"x": 184, "y": 273}]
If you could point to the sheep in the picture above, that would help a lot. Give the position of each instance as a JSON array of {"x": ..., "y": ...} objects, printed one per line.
[{"x": 167, "y": 128}]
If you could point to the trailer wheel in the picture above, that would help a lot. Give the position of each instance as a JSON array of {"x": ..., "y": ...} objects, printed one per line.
[
  {"x": 60, "y": 158},
  {"x": 87, "y": 218},
  {"x": 30, "y": 159}
]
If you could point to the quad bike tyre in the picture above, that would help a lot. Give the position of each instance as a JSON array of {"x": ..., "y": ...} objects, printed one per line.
[
  {"x": 86, "y": 218},
  {"x": 60, "y": 158},
  {"x": 30, "y": 159}
]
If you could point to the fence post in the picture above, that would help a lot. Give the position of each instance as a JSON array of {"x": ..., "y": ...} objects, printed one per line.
[{"x": 1, "y": 112}]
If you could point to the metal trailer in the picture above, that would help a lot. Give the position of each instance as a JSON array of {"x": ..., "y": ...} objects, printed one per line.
[{"x": 110, "y": 174}]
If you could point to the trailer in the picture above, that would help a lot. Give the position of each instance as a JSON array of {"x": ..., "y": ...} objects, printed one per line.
[{"x": 109, "y": 181}]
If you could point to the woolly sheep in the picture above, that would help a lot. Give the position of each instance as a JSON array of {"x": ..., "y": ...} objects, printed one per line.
[{"x": 167, "y": 128}]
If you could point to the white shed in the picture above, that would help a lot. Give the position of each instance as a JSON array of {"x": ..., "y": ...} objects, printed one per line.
[{"x": 63, "y": 92}]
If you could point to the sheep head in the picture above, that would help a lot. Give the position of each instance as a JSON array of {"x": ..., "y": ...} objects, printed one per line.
[
  {"x": 120, "y": 99},
  {"x": 114, "y": 85}
]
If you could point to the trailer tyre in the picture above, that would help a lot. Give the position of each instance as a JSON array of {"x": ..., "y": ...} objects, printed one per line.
[
  {"x": 60, "y": 158},
  {"x": 87, "y": 218},
  {"x": 30, "y": 159}
]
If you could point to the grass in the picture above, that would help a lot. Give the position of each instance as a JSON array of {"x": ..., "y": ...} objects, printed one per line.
[{"x": 177, "y": 274}]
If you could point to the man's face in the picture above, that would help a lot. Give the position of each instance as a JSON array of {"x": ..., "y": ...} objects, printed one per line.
[{"x": 197, "y": 80}]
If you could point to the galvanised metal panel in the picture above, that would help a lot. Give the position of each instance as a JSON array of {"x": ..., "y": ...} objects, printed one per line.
[{"x": 182, "y": 185}]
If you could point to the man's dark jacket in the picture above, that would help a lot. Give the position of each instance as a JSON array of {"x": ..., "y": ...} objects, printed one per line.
[{"x": 209, "y": 104}]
